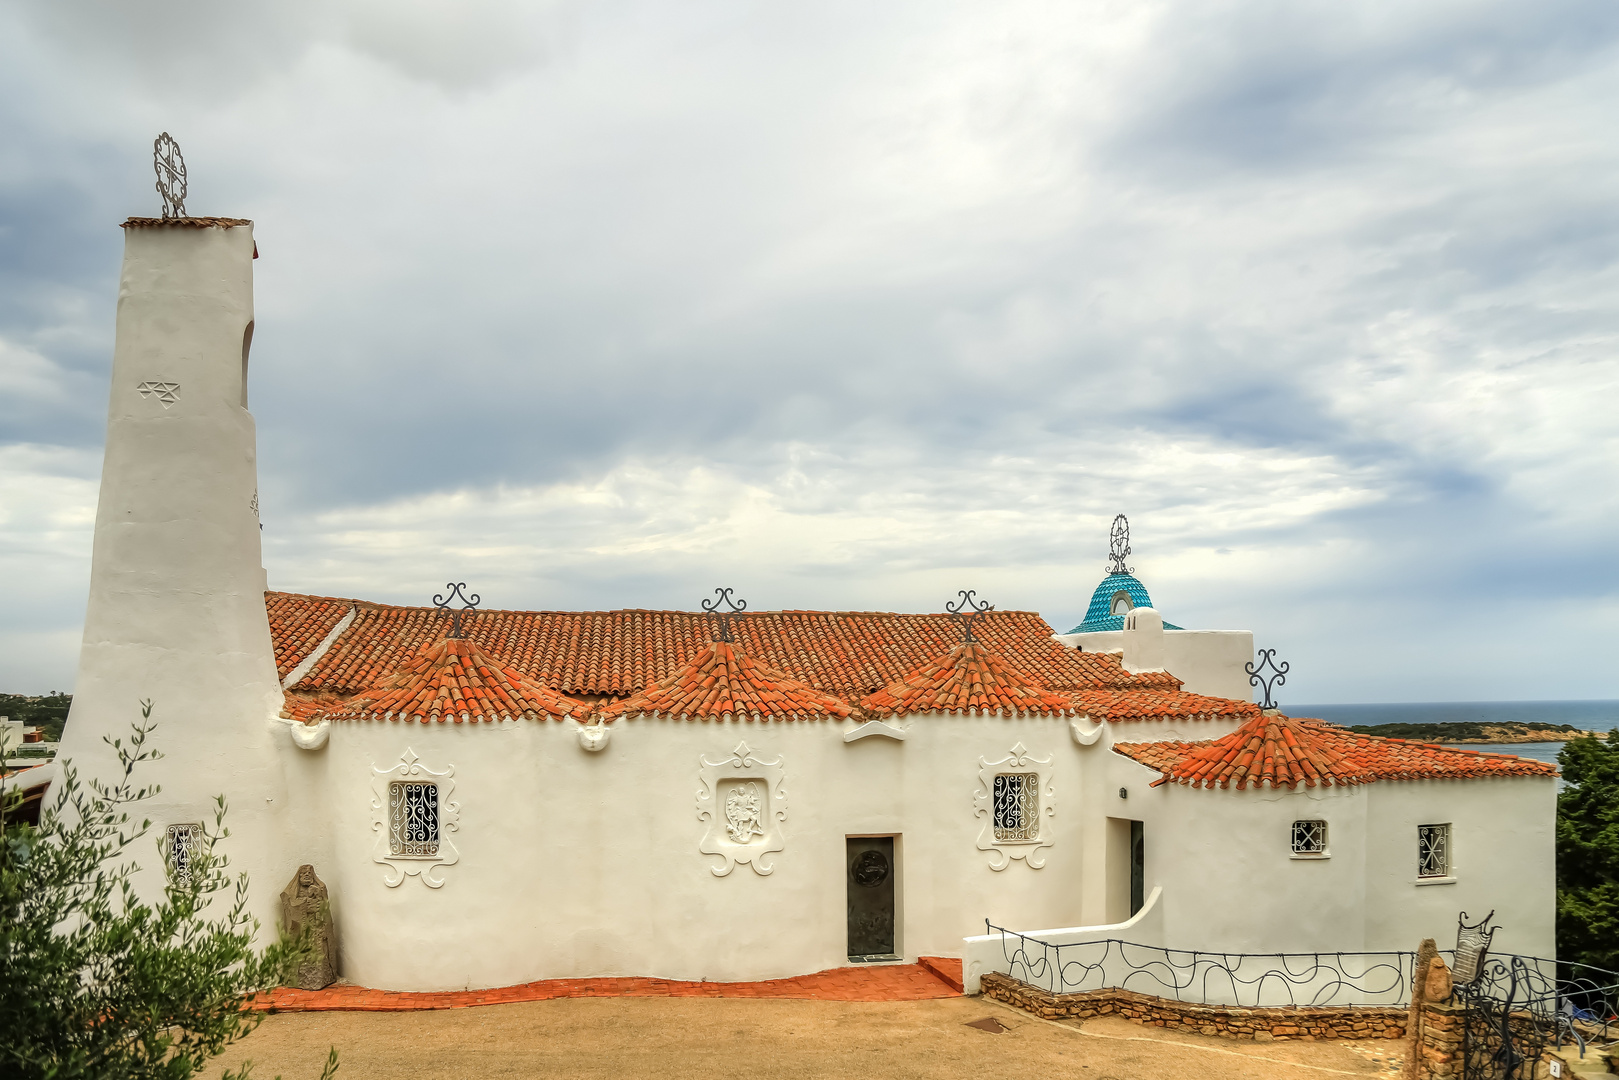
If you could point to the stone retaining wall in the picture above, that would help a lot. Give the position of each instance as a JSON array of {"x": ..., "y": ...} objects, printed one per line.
[{"x": 1230, "y": 1021}]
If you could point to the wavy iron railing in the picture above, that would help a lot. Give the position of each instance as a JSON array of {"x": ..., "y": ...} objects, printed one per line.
[
  {"x": 1212, "y": 978},
  {"x": 1572, "y": 1002}
]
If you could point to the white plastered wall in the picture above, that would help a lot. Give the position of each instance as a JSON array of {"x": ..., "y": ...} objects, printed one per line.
[
  {"x": 1503, "y": 836},
  {"x": 1236, "y": 845},
  {"x": 573, "y": 864},
  {"x": 578, "y": 864},
  {"x": 1222, "y": 877}
]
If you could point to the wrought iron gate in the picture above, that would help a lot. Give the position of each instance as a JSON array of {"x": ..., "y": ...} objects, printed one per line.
[
  {"x": 1509, "y": 1018},
  {"x": 1515, "y": 1007}
]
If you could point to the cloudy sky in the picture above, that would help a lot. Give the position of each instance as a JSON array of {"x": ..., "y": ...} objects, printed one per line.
[{"x": 851, "y": 305}]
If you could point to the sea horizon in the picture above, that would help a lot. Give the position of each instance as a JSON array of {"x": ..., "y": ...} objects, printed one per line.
[
  {"x": 1589, "y": 714},
  {"x": 1600, "y": 714}
]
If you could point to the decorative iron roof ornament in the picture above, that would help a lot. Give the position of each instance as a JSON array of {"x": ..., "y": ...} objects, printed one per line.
[
  {"x": 1472, "y": 948},
  {"x": 469, "y": 601},
  {"x": 1118, "y": 546},
  {"x": 965, "y": 604},
  {"x": 171, "y": 175},
  {"x": 733, "y": 607},
  {"x": 1267, "y": 658}
]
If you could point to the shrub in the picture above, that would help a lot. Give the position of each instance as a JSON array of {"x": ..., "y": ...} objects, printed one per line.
[{"x": 94, "y": 982}]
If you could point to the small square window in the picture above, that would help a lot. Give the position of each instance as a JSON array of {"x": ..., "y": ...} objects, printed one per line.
[
  {"x": 1433, "y": 851},
  {"x": 412, "y": 818},
  {"x": 1309, "y": 838},
  {"x": 1017, "y": 806},
  {"x": 182, "y": 843}
]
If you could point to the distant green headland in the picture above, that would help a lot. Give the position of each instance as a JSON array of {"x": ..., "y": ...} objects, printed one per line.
[{"x": 1461, "y": 731}]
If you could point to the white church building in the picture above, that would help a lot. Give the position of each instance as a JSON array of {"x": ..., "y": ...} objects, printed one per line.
[{"x": 494, "y": 796}]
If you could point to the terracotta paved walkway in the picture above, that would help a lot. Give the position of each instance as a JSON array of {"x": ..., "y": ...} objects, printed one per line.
[{"x": 933, "y": 977}]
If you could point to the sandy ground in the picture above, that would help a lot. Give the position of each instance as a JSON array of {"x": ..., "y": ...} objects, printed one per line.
[{"x": 764, "y": 1040}]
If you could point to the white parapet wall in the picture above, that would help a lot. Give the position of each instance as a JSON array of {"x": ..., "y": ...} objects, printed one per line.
[
  {"x": 1131, "y": 956},
  {"x": 176, "y": 609},
  {"x": 1206, "y": 661},
  {"x": 1035, "y": 956}
]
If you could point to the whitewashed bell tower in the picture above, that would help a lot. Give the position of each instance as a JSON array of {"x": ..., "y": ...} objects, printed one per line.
[{"x": 176, "y": 612}]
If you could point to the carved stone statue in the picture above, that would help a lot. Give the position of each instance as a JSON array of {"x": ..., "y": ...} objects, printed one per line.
[{"x": 304, "y": 905}]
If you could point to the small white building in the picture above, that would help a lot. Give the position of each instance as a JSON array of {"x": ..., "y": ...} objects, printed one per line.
[{"x": 503, "y": 796}]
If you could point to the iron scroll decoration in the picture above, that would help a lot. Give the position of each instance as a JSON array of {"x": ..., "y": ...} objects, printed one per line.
[
  {"x": 469, "y": 602},
  {"x": 170, "y": 167},
  {"x": 965, "y": 604},
  {"x": 723, "y": 617},
  {"x": 1472, "y": 948},
  {"x": 1278, "y": 676},
  {"x": 1118, "y": 546}
]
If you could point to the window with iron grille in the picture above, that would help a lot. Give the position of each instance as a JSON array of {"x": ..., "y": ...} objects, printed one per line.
[
  {"x": 181, "y": 844},
  {"x": 1309, "y": 838},
  {"x": 412, "y": 818},
  {"x": 1017, "y": 806},
  {"x": 1433, "y": 851}
]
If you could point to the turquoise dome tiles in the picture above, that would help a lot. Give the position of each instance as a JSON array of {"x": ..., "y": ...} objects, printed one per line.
[{"x": 1099, "y": 616}]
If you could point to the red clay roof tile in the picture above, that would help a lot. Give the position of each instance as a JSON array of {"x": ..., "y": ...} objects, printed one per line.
[
  {"x": 968, "y": 678},
  {"x": 1155, "y": 704},
  {"x": 453, "y": 680},
  {"x": 617, "y": 653},
  {"x": 1280, "y": 751},
  {"x": 721, "y": 682}
]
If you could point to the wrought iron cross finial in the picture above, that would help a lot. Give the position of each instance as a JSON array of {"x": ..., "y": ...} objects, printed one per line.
[
  {"x": 469, "y": 601},
  {"x": 171, "y": 175},
  {"x": 965, "y": 604},
  {"x": 734, "y": 607},
  {"x": 1267, "y": 658},
  {"x": 1118, "y": 546}
]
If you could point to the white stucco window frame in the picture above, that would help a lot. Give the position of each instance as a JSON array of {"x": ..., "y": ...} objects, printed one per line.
[
  {"x": 724, "y": 776},
  {"x": 1003, "y": 852},
  {"x": 425, "y": 867}
]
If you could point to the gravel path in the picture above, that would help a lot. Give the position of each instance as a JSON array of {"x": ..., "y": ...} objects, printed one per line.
[{"x": 766, "y": 1040}]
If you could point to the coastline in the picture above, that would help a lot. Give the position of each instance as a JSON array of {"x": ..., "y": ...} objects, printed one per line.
[{"x": 1524, "y": 737}]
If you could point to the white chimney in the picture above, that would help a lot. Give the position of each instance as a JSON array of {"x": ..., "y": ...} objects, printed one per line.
[
  {"x": 176, "y": 612},
  {"x": 1143, "y": 640}
]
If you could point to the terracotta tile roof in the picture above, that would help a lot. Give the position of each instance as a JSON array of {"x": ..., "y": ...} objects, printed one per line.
[
  {"x": 1279, "y": 751},
  {"x": 968, "y": 678},
  {"x": 184, "y": 223},
  {"x": 617, "y": 653},
  {"x": 298, "y": 624},
  {"x": 722, "y": 682},
  {"x": 453, "y": 680},
  {"x": 1156, "y": 704}
]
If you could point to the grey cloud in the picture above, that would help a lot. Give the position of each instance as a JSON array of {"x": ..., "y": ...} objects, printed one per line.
[{"x": 602, "y": 303}]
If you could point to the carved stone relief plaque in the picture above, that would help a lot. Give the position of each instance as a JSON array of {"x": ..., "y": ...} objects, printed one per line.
[
  {"x": 1016, "y": 800},
  {"x": 744, "y": 804},
  {"x": 413, "y": 817},
  {"x": 166, "y": 392}
]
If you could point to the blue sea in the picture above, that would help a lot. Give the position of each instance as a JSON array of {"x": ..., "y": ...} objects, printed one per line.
[{"x": 1591, "y": 715}]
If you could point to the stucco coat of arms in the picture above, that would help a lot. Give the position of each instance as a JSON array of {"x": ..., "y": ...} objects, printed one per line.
[{"x": 744, "y": 804}]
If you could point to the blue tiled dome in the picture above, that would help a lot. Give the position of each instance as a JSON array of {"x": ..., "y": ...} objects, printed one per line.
[{"x": 1099, "y": 616}]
